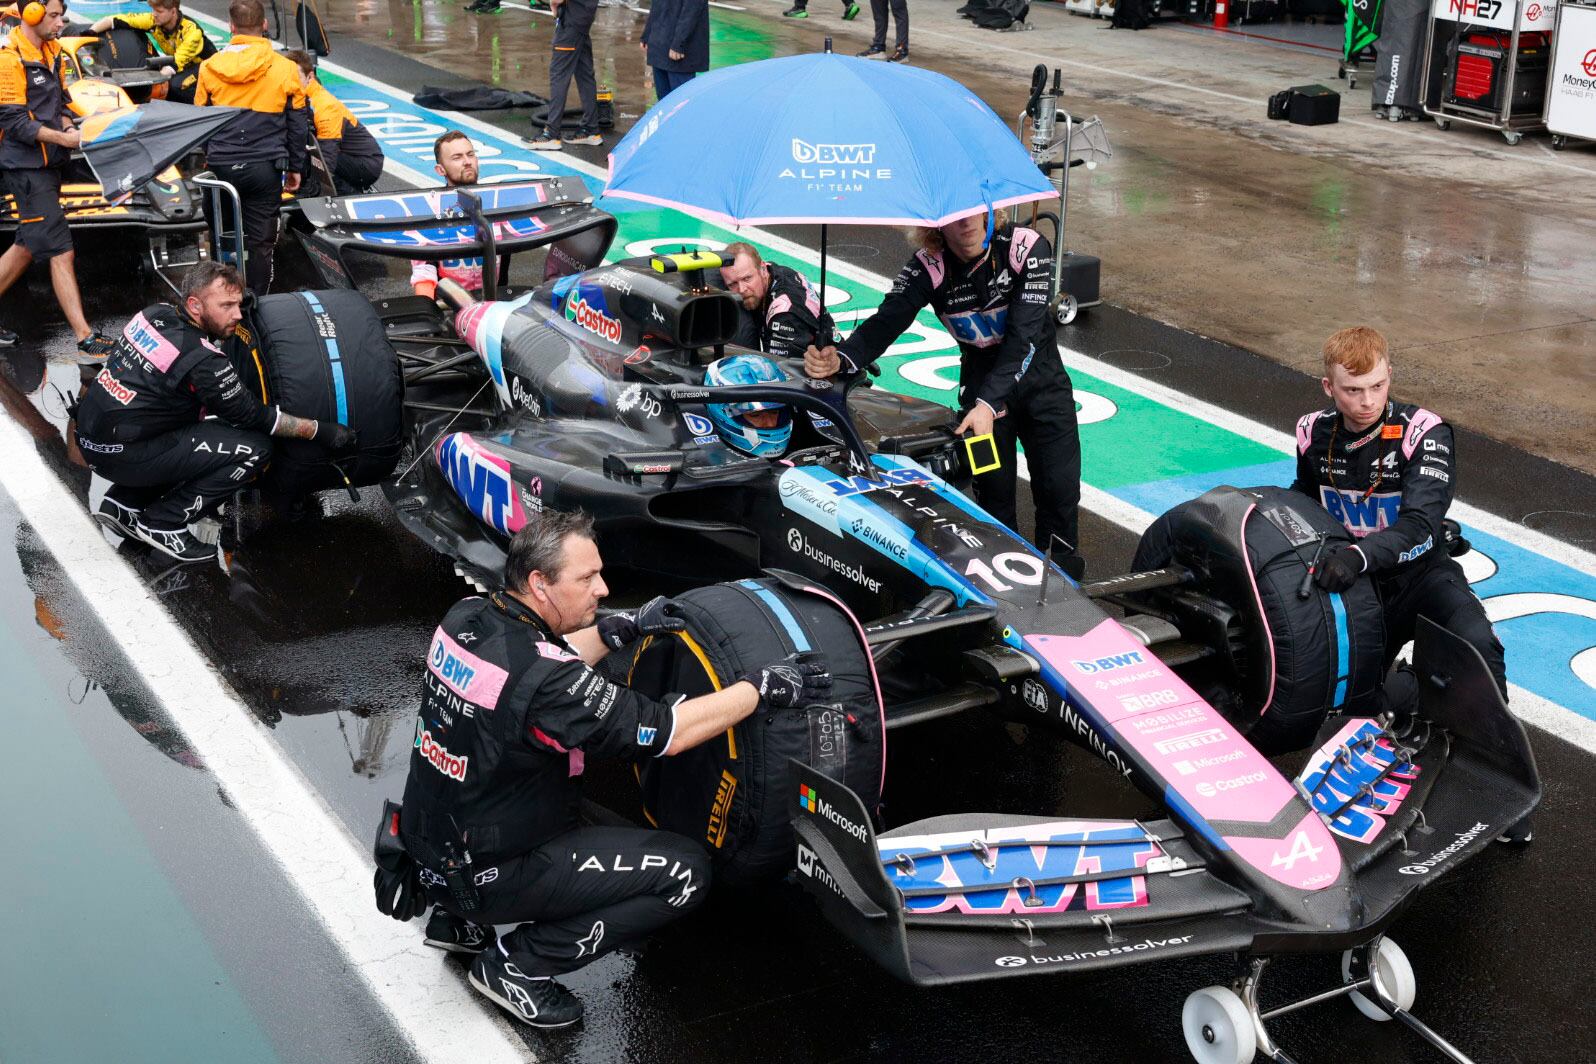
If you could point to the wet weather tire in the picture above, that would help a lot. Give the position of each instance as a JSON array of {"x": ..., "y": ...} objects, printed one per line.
[
  {"x": 1394, "y": 975},
  {"x": 1218, "y": 1027}
]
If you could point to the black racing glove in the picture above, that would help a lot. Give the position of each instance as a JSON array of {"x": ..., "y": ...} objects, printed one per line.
[
  {"x": 1341, "y": 570},
  {"x": 339, "y": 439},
  {"x": 652, "y": 618},
  {"x": 799, "y": 679},
  {"x": 397, "y": 884}
]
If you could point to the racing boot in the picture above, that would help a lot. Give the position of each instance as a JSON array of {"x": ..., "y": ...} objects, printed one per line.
[
  {"x": 537, "y": 1002},
  {"x": 796, "y": 11},
  {"x": 8, "y": 338},
  {"x": 118, "y": 517},
  {"x": 94, "y": 349},
  {"x": 453, "y": 934},
  {"x": 178, "y": 544}
]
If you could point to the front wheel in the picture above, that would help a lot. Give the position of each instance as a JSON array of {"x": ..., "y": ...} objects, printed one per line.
[{"x": 1393, "y": 977}]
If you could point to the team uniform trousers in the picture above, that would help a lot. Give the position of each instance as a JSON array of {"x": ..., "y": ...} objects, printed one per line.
[
  {"x": 189, "y": 472},
  {"x": 260, "y": 191},
  {"x": 573, "y": 55},
  {"x": 1041, "y": 417},
  {"x": 900, "y": 17},
  {"x": 1439, "y": 590}
]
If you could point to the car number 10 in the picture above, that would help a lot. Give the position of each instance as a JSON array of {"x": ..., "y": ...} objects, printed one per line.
[{"x": 1017, "y": 567}]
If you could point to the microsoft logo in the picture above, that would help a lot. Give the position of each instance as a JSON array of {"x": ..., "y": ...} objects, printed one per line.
[{"x": 806, "y": 797}]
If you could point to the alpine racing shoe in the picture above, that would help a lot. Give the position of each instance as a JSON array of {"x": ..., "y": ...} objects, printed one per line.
[
  {"x": 452, "y": 934},
  {"x": 541, "y": 1003},
  {"x": 178, "y": 544},
  {"x": 117, "y": 517}
]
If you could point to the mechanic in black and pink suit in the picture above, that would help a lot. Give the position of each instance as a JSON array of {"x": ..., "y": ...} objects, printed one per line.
[
  {"x": 510, "y": 709},
  {"x": 784, "y": 317}
]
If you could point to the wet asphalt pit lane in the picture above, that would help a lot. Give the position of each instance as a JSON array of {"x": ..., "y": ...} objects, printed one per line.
[
  {"x": 1575, "y": 527},
  {"x": 1136, "y": 359}
]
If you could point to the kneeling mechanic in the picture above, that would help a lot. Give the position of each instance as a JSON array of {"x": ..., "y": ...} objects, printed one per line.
[
  {"x": 171, "y": 425},
  {"x": 510, "y": 708}
]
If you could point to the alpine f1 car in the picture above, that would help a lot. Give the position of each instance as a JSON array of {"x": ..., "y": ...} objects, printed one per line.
[{"x": 586, "y": 389}]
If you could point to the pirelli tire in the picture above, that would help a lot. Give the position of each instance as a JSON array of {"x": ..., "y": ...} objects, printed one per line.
[
  {"x": 1295, "y": 659},
  {"x": 325, "y": 355},
  {"x": 736, "y": 794}
]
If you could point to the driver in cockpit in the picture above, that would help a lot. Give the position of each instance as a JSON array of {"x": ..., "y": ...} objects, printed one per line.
[{"x": 760, "y": 429}]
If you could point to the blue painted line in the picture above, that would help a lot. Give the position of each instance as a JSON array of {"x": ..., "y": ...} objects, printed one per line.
[
  {"x": 334, "y": 360},
  {"x": 1339, "y": 607}
]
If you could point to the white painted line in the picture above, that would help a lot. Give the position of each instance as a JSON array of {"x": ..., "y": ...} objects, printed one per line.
[{"x": 440, "y": 1016}]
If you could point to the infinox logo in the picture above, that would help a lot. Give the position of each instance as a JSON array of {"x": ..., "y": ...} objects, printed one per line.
[
  {"x": 592, "y": 319},
  {"x": 810, "y": 801},
  {"x": 435, "y": 755},
  {"x": 833, "y": 154}
]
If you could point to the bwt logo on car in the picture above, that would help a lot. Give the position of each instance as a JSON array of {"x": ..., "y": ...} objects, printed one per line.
[
  {"x": 1109, "y": 664},
  {"x": 832, "y": 154},
  {"x": 888, "y": 478},
  {"x": 439, "y": 758},
  {"x": 480, "y": 479}
]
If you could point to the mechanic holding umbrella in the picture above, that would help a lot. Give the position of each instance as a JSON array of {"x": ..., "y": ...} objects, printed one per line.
[
  {"x": 175, "y": 35},
  {"x": 988, "y": 281},
  {"x": 169, "y": 423},
  {"x": 510, "y": 706},
  {"x": 36, "y": 141},
  {"x": 262, "y": 154}
]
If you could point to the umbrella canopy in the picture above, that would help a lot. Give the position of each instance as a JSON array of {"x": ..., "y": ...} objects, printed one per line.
[
  {"x": 824, "y": 138},
  {"x": 127, "y": 147}
]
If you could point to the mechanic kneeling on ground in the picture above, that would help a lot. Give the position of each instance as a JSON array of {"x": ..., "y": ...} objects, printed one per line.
[
  {"x": 175, "y": 35},
  {"x": 785, "y": 316},
  {"x": 169, "y": 423},
  {"x": 261, "y": 153},
  {"x": 988, "y": 281},
  {"x": 510, "y": 707},
  {"x": 352, "y": 154},
  {"x": 36, "y": 141}
]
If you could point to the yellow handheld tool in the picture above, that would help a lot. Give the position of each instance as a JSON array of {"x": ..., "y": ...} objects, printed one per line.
[
  {"x": 687, "y": 260},
  {"x": 987, "y": 450}
]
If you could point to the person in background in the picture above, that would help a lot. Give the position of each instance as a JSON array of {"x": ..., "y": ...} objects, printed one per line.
[
  {"x": 36, "y": 140},
  {"x": 262, "y": 153},
  {"x": 878, "y": 43},
  {"x": 456, "y": 162},
  {"x": 175, "y": 35},
  {"x": 573, "y": 56},
  {"x": 800, "y": 9},
  {"x": 351, "y": 154},
  {"x": 675, "y": 42}
]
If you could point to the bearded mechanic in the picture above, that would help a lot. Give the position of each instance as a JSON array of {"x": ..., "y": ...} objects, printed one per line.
[
  {"x": 171, "y": 425},
  {"x": 510, "y": 708},
  {"x": 785, "y": 317},
  {"x": 1385, "y": 470},
  {"x": 989, "y": 281},
  {"x": 455, "y": 160}
]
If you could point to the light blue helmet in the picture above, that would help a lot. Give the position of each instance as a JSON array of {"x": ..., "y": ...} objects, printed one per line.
[{"x": 729, "y": 418}]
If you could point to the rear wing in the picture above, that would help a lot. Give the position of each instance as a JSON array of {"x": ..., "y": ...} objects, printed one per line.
[{"x": 491, "y": 222}]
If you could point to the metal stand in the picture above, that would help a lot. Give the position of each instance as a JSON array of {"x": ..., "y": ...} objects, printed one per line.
[
  {"x": 1569, "y": 115},
  {"x": 215, "y": 189},
  {"x": 1515, "y": 16},
  {"x": 1229, "y": 1023}
]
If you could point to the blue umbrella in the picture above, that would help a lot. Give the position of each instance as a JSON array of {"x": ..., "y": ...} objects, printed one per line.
[{"x": 820, "y": 138}]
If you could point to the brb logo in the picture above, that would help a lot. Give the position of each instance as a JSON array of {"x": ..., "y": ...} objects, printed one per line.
[
  {"x": 832, "y": 154},
  {"x": 482, "y": 480}
]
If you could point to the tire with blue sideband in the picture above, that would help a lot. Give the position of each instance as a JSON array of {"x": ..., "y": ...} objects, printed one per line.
[
  {"x": 324, "y": 355},
  {"x": 736, "y": 794},
  {"x": 1293, "y": 660}
]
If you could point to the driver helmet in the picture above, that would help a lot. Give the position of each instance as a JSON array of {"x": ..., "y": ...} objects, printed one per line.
[{"x": 770, "y": 436}]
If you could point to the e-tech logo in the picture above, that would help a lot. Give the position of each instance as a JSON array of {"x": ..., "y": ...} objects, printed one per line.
[
  {"x": 887, "y": 478},
  {"x": 439, "y": 758},
  {"x": 832, "y": 154},
  {"x": 1109, "y": 664},
  {"x": 593, "y": 320},
  {"x": 810, "y": 801}
]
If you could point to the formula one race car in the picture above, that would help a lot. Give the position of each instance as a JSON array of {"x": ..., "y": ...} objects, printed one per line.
[
  {"x": 166, "y": 213},
  {"x": 586, "y": 390}
]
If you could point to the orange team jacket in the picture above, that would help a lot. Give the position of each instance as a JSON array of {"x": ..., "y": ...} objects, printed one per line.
[
  {"x": 248, "y": 74},
  {"x": 338, "y": 131},
  {"x": 31, "y": 95}
]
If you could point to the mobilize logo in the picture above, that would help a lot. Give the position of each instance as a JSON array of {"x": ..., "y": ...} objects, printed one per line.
[
  {"x": 1462, "y": 839},
  {"x": 1093, "y": 954},
  {"x": 832, "y": 154},
  {"x": 810, "y": 801}
]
